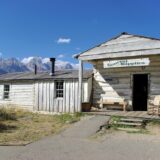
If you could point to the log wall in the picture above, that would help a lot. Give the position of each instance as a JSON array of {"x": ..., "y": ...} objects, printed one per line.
[{"x": 117, "y": 82}]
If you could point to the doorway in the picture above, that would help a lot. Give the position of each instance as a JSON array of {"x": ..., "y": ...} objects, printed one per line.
[{"x": 140, "y": 92}]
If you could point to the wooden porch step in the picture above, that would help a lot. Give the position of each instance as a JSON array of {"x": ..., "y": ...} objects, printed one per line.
[
  {"x": 129, "y": 123},
  {"x": 129, "y": 129},
  {"x": 132, "y": 120}
]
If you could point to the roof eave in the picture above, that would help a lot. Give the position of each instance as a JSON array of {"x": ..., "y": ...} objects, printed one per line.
[{"x": 120, "y": 55}]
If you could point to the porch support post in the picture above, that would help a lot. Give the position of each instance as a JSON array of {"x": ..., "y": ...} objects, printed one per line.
[{"x": 80, "y": 89}]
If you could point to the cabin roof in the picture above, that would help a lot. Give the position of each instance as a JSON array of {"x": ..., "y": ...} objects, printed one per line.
[
  {"x": 123, "y": 45},
  {"x": 66, "y": 74}
]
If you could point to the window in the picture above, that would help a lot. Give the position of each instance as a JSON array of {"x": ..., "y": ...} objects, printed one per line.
[
  {"x": 59, "y": 89},
  {"x": 6, "y": 91}
]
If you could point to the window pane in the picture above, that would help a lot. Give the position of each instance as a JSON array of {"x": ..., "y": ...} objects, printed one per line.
[
  {"x": 59, "y": 89},
  {"x": 6, "y": 87},
  {"x": 6, "y": 91}
]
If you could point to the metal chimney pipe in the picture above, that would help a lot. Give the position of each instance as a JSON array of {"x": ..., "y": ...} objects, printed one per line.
[
  {"x": 35, "y": 69},
  {"x": 52, "y": 60}
]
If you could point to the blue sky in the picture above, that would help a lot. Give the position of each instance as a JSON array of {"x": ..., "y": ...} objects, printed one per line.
[{"x": 34, "y": 27}]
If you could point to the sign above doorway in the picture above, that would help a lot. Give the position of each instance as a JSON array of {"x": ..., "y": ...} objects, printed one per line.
[{"x": 126, "y": 63}]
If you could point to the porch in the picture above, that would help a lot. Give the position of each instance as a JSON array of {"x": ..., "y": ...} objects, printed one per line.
[{"x": 128, "y": 114}]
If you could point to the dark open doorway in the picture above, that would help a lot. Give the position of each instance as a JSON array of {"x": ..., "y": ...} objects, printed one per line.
[{"x": 140, "y": 92}]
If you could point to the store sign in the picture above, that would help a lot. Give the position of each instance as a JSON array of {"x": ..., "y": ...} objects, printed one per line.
[{"x": 126, "y": 63}]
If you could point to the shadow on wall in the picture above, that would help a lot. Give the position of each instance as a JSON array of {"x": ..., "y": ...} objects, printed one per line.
[{"x": 111, "y": 86}]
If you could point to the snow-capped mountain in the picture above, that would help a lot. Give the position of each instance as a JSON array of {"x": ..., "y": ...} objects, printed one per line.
[
  {"x": 12, "y": 65},
  {"x": 32, "y": 61},
  {"x": 43, "y": 64},
  {"x": 27, "y": 64}
]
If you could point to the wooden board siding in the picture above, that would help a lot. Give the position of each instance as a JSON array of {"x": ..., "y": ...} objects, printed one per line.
[
  {"x": 21, "y": 94},
  {"x": 117, "y": 82},
  {"x": 45, "y": 98},
  {"x": 40, "y": 95}
]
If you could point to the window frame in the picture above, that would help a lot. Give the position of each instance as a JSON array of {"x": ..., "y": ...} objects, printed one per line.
[
  {"x": 6, "y": 91},
  {"x": 59, "y": 91}
]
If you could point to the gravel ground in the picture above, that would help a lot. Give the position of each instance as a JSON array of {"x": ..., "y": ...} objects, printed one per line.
[{"x": 75, "y": 144}]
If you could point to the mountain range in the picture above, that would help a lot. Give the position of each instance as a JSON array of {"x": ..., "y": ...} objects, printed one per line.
[{"x": 28, "y": 64}]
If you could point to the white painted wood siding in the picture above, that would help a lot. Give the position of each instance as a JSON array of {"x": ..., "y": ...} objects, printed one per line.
[
  {"x": 121, "y": 86},
  {"x": 45, "y": 98},
  {"x": 40, "y": 96},
  {"x": 21, "y": 95}
]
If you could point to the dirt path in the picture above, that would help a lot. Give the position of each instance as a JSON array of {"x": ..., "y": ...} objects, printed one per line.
[{"x": 74, "y": 144}]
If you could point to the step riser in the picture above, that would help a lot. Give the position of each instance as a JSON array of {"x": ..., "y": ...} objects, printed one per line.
[{"x": 130, "y": 122}]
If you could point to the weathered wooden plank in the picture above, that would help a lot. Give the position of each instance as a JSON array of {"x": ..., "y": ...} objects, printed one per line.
[
  {"x": 60, "y": 104},
  {"x": 67, "y": 96},
  {"x": 51, "y": 96},
  {"x": 71, "y": 96},
  {"x": 48, "y": 96},
  {"x": 76, "y": 96},
  {"x": 64, "y": 97},
  {"x": 80, "y": 84}
]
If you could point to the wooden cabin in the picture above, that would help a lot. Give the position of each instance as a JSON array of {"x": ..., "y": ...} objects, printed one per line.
[
  {"x": 126, "y": 73},
  {"x": 56, "y": 92}
]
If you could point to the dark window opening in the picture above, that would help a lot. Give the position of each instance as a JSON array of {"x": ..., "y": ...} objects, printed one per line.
[
  {"x": 6, "y": 91},
  {"x": 59, "y": 89}
]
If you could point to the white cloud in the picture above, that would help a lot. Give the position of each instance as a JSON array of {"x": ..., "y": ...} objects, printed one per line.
[
  {"x": 45, "y": 60},
  {"x": 60, "y": 56},
  {"x": 27, "y": 60},
  {"x": 75, "y": 66},
  {"x": 63, "y": 40},
  {"x": 60, "y": 64},
  {"x": 1, "y": 54}
]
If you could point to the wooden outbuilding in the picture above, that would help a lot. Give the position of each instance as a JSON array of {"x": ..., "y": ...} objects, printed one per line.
[
  {"x": 47, "y": 92},
  {"x": 126, "y": 73}
]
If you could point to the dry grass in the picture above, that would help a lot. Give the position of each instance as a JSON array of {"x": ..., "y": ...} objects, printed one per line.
[{"x": 18, "y": 127}]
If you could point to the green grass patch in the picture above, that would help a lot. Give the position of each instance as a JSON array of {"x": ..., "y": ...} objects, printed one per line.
[
  {"x": 154, "y": 122},
  {"x": 21, "y": 127}
]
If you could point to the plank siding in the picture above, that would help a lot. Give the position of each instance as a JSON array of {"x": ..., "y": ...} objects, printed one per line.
[
  {"x": 46, "y": 100},
  {"x": 21, "y": 94},
  {"x": 120, "y": 85}
]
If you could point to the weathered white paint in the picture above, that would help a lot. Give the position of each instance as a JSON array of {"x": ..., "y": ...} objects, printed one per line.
[
  {"x": 116, "y": 83},
  {"x": 80, "y": 85},
  {"x": 40, "y": 95},
  {"x": 126, "y": 63},
  {"x": 69, "y": 102},
  {"x": 21, "y": 94}
]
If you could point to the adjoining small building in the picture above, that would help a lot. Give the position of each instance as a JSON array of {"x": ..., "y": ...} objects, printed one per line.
[
  {"x": 126, "y": 73},
  {"x": 49, "y": 92}
]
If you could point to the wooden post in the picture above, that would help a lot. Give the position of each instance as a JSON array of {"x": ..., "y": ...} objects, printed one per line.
[{"x": 80, "y": 85}]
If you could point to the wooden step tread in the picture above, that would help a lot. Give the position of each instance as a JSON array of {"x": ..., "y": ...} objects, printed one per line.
[
  {"x": 129, "y": 124},
  {"x": 131, "y": 120},
  {"x": 128, "y": 129}
]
